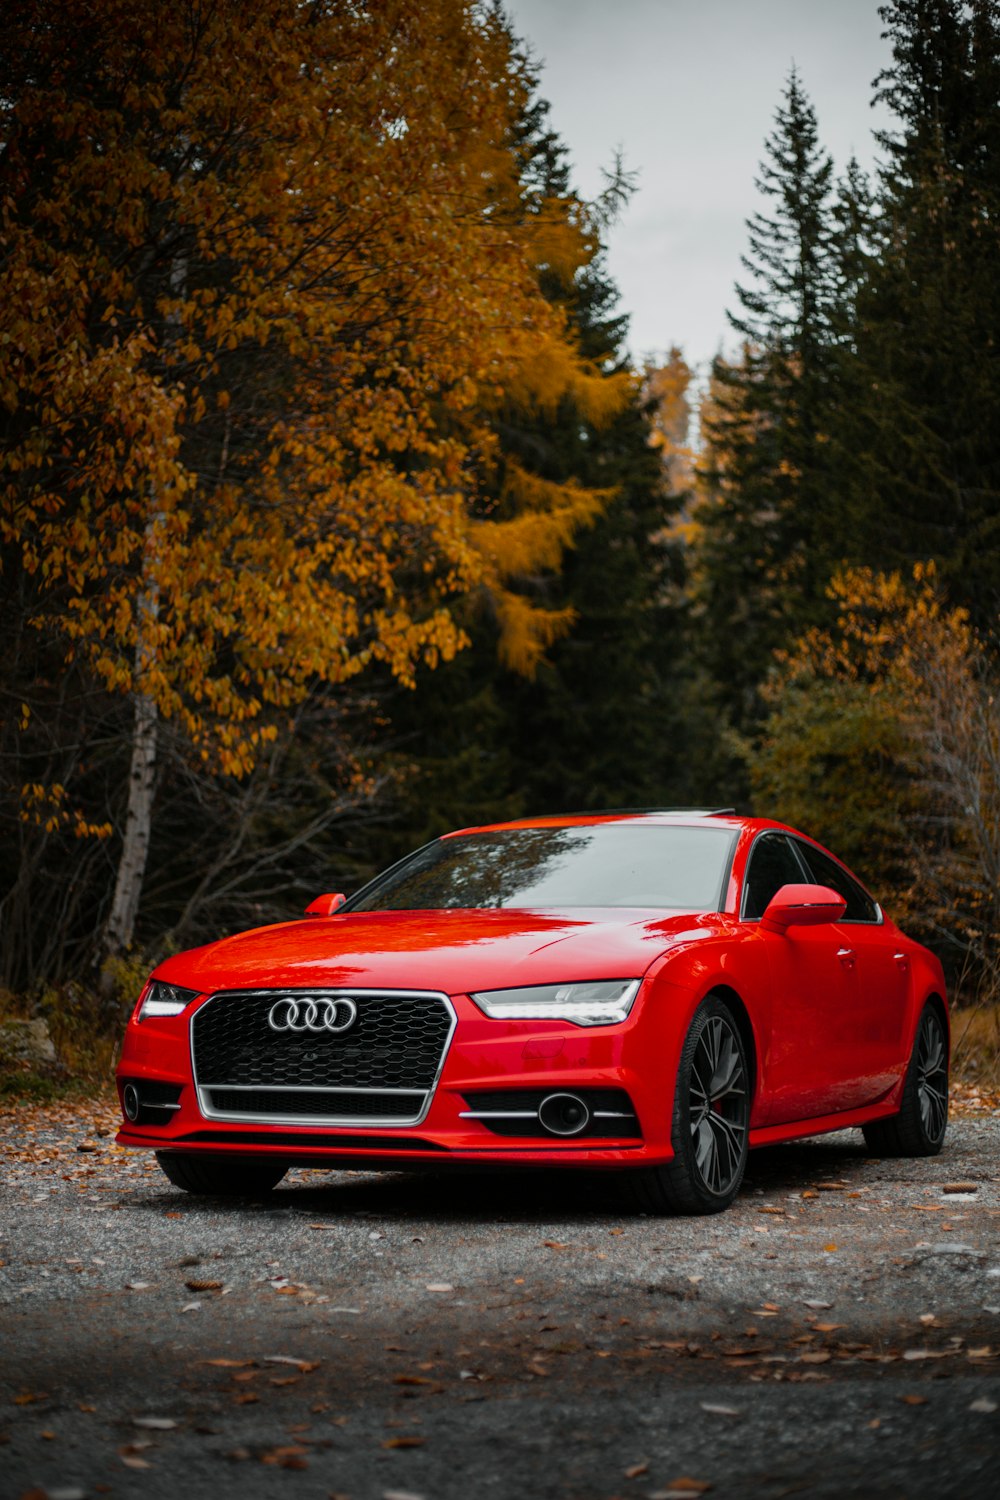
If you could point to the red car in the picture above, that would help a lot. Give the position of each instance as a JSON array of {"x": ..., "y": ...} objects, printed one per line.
[{"x": 654, "y": 992}]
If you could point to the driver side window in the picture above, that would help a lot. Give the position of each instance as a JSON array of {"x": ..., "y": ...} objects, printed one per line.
[{"x": 772, "y": 864}]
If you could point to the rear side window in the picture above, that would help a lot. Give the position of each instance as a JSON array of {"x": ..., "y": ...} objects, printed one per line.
[
  {"x": 826, "y": 871},
  {"x": 772, "y": 865}
]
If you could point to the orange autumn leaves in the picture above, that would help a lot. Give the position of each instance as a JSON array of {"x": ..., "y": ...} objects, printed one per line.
[{"x": 267, "y": 273}]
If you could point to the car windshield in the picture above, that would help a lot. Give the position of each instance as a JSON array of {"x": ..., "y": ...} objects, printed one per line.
[{"x": 602, "y": 864}]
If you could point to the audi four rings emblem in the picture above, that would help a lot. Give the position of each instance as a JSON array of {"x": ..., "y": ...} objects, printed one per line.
[{"x": 334, "y": 1013}]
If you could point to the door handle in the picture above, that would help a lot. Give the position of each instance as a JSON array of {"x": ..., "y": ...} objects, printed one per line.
[
  {"x": 847, "y": 957},
  {"x": 903, "y": 959}
]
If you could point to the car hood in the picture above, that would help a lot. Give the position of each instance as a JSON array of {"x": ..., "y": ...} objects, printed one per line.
[{"x": 453, "y": 951}]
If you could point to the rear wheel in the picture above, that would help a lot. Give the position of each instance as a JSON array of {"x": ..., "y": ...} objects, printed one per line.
[
  {"x": 918, "y": 1129},
  {"x": 710, "y": 1123},
  {"x": 225, "y": 1177}
]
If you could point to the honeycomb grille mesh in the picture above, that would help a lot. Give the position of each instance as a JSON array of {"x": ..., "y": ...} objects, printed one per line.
[{"x": 397, "y": 1042}]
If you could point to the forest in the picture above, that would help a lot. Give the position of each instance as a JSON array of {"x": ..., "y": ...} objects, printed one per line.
[{"x": 334, "y": 513}]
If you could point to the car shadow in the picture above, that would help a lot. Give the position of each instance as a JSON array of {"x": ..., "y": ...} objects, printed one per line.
[{"x": 523, "y": 1196}]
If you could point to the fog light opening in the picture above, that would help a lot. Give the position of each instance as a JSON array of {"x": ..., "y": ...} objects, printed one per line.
[
  {"x": 563, "y": 1114},
  {"x": 130, "y": 1102}
]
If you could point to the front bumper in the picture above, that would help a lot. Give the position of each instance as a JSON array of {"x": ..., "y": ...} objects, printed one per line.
[{"x": 483, "y": 1056}]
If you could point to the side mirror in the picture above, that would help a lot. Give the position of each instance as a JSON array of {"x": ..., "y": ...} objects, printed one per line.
[
  {"x": 325, "y": 906},
  {"x": 802, "y": 906}
]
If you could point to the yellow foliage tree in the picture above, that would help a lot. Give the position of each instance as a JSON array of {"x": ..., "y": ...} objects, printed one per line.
[
  {"x": 265, "y": 271},
  {"x": 883, "y": 739}
]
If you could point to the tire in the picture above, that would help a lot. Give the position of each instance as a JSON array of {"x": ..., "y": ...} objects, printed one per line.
[
  {"x": 710, "y": 1124},
  {"x": 919, "y": 1127},
  {"x": 223, "y": 1177}
]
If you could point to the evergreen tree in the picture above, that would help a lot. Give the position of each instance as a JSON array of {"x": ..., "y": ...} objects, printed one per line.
[
  {"x": 596, "y": 723},
  {"x": 922, "y": 439},
  {"x": 764, "y": 539}
]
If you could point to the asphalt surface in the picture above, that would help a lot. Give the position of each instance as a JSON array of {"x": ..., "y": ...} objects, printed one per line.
[{"x": 836, "y": 1333}]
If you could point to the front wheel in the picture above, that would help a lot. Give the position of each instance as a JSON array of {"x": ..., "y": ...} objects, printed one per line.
[
  {"x": 222, "y": 1176},
  {"x": 918, "y": 1129},
  {"x": 710, "y": 1123}
]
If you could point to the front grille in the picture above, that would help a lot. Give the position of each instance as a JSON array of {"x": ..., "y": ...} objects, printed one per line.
[
  {"x": 382, "y": 1067},
  {"x": 314, "y": 1102}
]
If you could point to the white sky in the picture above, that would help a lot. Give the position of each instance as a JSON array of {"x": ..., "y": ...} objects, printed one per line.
[{"x": 689, "y": 93}]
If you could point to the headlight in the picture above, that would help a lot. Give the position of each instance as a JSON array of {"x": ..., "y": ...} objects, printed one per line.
[
  {"x": 602, "y": 1002},
  {"x": 165, "y": 1000}
]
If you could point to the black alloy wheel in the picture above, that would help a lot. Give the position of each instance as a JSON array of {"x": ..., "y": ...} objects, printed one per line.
[
  {"x": 710, "y": 1124},
  {"x": 919, "y": 1127},
  {"x": 717, "y": 1106}
]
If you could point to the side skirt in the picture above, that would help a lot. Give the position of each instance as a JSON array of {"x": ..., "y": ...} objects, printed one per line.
[{"x": 790, "y": 1130}]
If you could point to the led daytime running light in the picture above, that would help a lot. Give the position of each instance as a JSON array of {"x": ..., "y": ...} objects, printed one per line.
[
  {"x": 165, "y": 1000},
  {"x": 604, "y": 1002}
]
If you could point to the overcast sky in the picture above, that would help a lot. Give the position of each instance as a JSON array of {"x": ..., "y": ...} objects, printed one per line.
[{"x": 689, "y": 91}]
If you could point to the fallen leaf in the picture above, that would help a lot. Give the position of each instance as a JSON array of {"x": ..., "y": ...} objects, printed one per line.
[
  {"x": 829, "y": 1248},
  {"x": 680, "y": 1487},
  {"x": 826, "y": 1327},
  {"x": 305, "y": 1365},
  {"x": 985, "y": 1352},
  {"x": 815, "y": 1357},
  {"x": 411, "y": 1380},
  {"x": 814, "y": 1302},
  {"x": 156, "y": 1424},
  {"x": 400, "y": 1495},
  {"x": 133, "y": 1461},
  {"x": 293, "y": 1456},
  {"x": 912, "y": 1354},
  {"x": 404, "y": 1442},
  {"x": 138, "y": 1286},
  {"x": 914, "y": 1400},
  {"x": 719, "y": 1411},
  {"x": 983, "y": 1403},
  {"x": 442, "y": 1286},
  {"x": 326, "y": 1226},
  {"x": 27, "y": 1397},
  {"x": 555, "y": 1245},
  {"x": 634, "y": 1470}
]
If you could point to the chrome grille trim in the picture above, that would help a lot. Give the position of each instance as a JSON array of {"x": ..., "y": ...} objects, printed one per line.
[{"x": 366, "y": 1122}]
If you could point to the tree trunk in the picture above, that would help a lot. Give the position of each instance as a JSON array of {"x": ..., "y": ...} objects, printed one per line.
[
  {"x": 120, "y": 926},
  {"x": 138, "y": 822}
]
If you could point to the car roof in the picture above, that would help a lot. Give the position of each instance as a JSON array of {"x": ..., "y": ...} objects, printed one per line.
[{"x": 689, "y": 816}]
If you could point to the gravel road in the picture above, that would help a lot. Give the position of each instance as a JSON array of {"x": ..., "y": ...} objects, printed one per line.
[{"x": 836, "y": 1333}]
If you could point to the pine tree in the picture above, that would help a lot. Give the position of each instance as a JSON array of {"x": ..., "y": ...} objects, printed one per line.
[
  {"x": 922, "y": 441},
  {"x": 596, "y": 723},
  {"x": 763, "y": 536}
]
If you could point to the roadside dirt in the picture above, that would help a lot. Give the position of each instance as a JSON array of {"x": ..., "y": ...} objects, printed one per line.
[{"x": 836, "y": 1333}]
